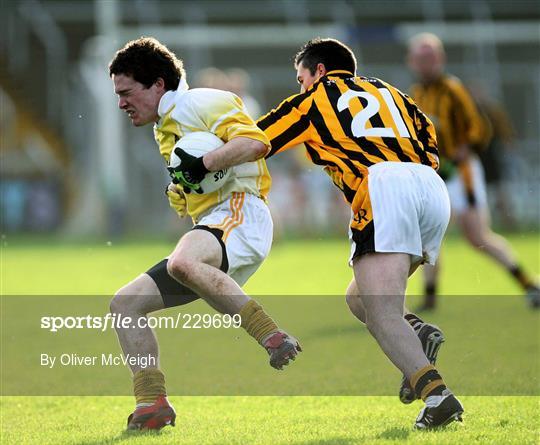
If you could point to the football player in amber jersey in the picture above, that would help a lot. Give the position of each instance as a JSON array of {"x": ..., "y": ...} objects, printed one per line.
[
  {"x": 232, "y": 231},
  {"x": 461, "y": 132}
]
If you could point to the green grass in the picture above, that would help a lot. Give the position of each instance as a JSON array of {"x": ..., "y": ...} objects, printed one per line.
[
  {"x": 293, "y": 268},
  {"x": 267, "y": 421},
  {"x": 492, "y": 350}
]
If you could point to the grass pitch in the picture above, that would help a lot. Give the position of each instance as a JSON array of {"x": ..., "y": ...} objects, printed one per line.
[
  {"x": 295, "y": 268},
  {"x": 266, "y": 421},
  {"x": 317, "y": 267}
]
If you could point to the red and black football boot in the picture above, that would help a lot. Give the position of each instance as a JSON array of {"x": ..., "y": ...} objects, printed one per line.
[{"x": 153, "y": 417}]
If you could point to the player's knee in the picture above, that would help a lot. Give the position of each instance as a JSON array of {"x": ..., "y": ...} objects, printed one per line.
[
  {"x": 180, "y": 268},
  {"x": 350, "y": 302},
  {"x": 122, "y": 302},
  {"x": 130, "y": 298},
  {"x": 476, "y": 240},
  {"x": 355, "y": 307}
]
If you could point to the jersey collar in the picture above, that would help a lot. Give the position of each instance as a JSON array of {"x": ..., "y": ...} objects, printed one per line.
[
  {"x": 339, "y": 73},
  {"x": 167, "y": 101},
  {"x": 335, "y": 73},
  {"x": 436, "y": 81}
]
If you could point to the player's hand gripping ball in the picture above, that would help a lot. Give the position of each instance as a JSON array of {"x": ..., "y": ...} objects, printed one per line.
[
  {"x": 186, "y": 166},
  {"x": 177, "y": 199}
]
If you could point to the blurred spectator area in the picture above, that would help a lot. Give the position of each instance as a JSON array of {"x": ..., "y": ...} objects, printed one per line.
[
  {"x": 54, "y": 54},
  {"x": 33, "y": 165}
]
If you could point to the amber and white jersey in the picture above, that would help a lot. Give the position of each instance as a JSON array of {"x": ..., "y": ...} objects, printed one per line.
[{"x": 222, "y": 113}]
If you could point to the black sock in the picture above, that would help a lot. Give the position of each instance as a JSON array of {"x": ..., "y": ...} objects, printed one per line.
[
  {"x": 427, "y": 382},
  {"x": 520, "y": 275},
  {"x": 430, "y": 292}
]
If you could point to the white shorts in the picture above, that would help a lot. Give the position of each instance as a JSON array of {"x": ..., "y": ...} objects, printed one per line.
[
  {"x": 459, "y": 200},
  {"x": 410, "y": 208},
  {"x": 247, "y": 231}
]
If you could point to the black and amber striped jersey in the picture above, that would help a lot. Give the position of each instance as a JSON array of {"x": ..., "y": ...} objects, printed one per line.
[
  {"x": 458, "y": 123},
  {"x": 451, "y": 108},
  {"x": 349, "y": 123}
]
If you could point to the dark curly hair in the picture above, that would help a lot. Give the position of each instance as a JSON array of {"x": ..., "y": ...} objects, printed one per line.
[
  {"x": 330, "y": 52},
  {"x": 145, "y": 59}
]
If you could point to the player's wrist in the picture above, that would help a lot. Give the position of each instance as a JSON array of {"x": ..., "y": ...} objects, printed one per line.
[{"x": 199, "y": 167}]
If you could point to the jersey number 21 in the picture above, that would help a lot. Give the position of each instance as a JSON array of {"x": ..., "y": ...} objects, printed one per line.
[{"x": 358, "y": 125}]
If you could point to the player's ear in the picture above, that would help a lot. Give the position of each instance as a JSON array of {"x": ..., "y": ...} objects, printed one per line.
[
  {"x": 160, "y": 83},
  {"x": 321, "y": 69}
]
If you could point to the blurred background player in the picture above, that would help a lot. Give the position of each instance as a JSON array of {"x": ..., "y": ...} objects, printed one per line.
[
  {"x": 239, "y": 84},
  {"x": 461, "y": 132},
  {"x": 233, "y": 227},
  {"x": 235, "y": 80},
  {"x": 389, "y": 238},
  {"x": 498, "y": 157},
  {"x": 212, "y": 77}
]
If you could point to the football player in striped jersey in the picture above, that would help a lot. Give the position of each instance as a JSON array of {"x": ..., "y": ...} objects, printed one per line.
[
  {"x": 461, "y": 132},
  {"x": 380, "y": 150}
]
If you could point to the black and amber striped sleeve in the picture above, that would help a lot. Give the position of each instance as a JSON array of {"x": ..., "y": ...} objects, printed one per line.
[
  {"x": 287, "y": 125},
  {"x": 470, "y": 125}
]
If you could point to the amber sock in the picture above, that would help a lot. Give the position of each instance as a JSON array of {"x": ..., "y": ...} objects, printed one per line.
[
  {"x": 256, "y": 322},
  {"x": 148, "y": 384},
  {"x": 427, "y": 382}
]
